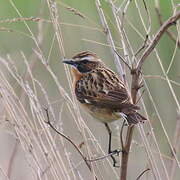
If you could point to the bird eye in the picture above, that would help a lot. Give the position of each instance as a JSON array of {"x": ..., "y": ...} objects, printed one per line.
[{"x": 85, "y": 61}]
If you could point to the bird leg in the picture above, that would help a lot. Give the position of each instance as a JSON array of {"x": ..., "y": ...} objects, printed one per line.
[{"x": 109, "y": 146}]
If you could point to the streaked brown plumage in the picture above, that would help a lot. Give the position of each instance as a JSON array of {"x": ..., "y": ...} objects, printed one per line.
[{"x": 100, "y": 91}]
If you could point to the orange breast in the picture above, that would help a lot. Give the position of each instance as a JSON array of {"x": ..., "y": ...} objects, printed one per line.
[{"x": 76, "y": 75}]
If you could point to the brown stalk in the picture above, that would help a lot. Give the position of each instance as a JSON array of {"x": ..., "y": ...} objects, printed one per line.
[
  {"x": 125, "y": 153},
  {"x": 135, "y": 87},
  {"x": 171, "y": 36},
  {"x": 171, "y": 21}
]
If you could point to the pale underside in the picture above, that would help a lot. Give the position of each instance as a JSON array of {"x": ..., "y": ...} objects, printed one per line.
[{"x": 102, "y": 114}]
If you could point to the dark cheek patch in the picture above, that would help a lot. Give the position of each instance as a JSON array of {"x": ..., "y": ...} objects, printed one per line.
[{"x": 84, "y": 68}]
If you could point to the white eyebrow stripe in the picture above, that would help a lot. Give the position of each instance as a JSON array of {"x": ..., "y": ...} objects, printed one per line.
[{"x": 86, "y": 57}]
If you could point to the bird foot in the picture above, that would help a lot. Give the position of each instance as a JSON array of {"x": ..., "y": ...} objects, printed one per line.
[{"x": 115, "y": 152}]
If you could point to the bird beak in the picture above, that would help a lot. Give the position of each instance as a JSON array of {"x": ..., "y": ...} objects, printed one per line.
[{"x": 70, "y": 61}]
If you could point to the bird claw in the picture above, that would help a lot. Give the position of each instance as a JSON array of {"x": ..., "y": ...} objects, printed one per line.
[{"x": 115, "y": 152}]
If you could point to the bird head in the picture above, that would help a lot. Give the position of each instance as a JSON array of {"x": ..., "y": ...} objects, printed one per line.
[{"x": 84, "y": 62}]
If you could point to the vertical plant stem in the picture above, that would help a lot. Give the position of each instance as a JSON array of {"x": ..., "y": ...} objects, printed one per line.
[
  {"x": 125, "y": 153},
  {"x": 130, "y": 130}
]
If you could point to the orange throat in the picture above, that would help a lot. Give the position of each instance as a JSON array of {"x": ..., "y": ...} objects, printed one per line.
[{"x": 76, "y": 75}]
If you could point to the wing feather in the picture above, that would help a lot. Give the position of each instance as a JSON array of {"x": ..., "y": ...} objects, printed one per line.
[{"x": 100, "y": 92}]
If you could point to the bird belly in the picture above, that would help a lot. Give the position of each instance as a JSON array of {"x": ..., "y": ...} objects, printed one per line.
[{"x": 101, "y": 114}]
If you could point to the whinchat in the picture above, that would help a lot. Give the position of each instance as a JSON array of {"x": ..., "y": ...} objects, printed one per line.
[{"x": 101, "y": 91}]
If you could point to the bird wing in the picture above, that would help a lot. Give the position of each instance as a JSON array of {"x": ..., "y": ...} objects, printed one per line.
[{"x": 103, "y": 88}]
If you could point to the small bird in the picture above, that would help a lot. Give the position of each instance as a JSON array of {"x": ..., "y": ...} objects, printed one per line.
[{"x": 101, "y": 91}]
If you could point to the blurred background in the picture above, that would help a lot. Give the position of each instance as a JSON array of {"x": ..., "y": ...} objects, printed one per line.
[{"x": 35, "y": 36}]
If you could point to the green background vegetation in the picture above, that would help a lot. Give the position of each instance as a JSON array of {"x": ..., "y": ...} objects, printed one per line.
[{"x": 81, "y": 34}]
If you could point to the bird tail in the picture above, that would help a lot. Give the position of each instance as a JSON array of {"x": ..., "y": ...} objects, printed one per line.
[{"x": 135, "y": 117}]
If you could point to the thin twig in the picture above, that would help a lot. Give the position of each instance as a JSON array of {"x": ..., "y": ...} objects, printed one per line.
[
  {"x": 121, "y": 134},
  {"x": 171, "y": 21},
  {"x": 99, "y": 43},
  {"x": 171, "y": 36},
  {"x": 12, "y": 158},
  {"x": 176, "y": 146},
  {"x": 143, "y": 46},
  {"x": 105, "y": 156},
  {"x": 67, "y": 138},
  {"x": 140, "y": 96},
  {"x": 122, "y": 59},
  {"x": 142, "y": 173},
  {"x": 161, "y": 77},
  {"x": 148, "y": 16},
  {"x": 109, "y": 37}
]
